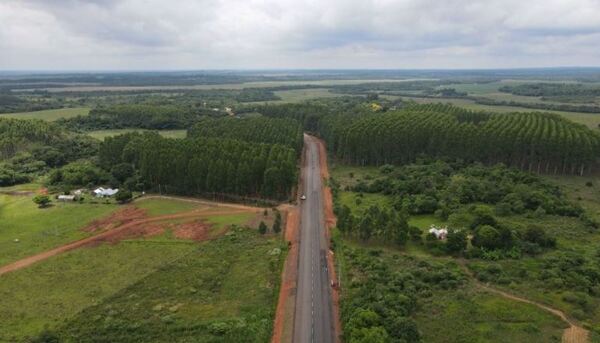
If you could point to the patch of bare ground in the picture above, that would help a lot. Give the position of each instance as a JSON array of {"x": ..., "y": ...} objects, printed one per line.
[
  {"x": 196, "y": 230},
  {"x": 118, "y": 218},
  {"x": 130, "y": 228}
]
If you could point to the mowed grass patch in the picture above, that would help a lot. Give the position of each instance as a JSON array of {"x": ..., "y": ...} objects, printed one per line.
[
  {"x": 38, "y": 229},
  {"x": 224, "y": 291},
  {"x": 49, "y": 115},
  {"x": 163, "y": 206},
  {"x": 465, "y": 315},
  {"x": 349, "y": 176},
  {"x": 24, "y": 187},
  {"x": 359, "y": 202},
  {"x": 52, "y": 291},
  {"x": 101, "y": 134}
]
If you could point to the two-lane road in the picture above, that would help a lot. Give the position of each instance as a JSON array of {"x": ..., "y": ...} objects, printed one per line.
[{"x": 313, "y": 320}]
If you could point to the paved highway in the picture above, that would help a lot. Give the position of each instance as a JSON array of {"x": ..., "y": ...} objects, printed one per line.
[{"x": 313, "y": 320}]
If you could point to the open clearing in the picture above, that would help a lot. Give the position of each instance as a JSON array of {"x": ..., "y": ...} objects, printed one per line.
[
  {"x": 56, "y": 289},
  {"x": 42, "y": 229},
  {"x": 49, "y": 115},
  {"x": 101, "y": 134}
]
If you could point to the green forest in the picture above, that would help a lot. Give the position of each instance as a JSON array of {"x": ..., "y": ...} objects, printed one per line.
[{"x": 537, "y": 142}]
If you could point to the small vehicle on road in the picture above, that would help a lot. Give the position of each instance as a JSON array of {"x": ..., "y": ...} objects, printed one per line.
[{"x": 303, "y": 197}]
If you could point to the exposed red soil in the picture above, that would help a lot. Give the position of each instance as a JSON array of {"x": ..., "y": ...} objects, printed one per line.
[
  {"x": 120, "y": 217},
  {"x": 196, "y": 230},
  {"x": 289, "y": 277},
  {"x": 132, "y": 228}
]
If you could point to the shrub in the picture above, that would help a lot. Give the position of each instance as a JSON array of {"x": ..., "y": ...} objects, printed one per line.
[{"x": 42, "y": 200}]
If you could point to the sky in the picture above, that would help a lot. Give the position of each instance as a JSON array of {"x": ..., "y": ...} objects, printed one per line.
[{"x": 297, "y": 34}]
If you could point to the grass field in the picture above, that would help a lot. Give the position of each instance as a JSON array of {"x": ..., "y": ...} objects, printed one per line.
[
  {"x": 101, "y": 134},
  {"x": 42, "y": 229},
  {"x": 584, "y": 190},
  {"x": 225, "y": 282},
  {"x": 158, "y": 207},
  {"x": 48, "y": 293},
  {"x": 49, "y": 115},
  {"x": 466, "y": 315},
  {"x": 223, "y": 291}
]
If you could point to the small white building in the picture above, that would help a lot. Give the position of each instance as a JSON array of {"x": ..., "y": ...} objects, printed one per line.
[
  {"x": 64, "y": 197},
  {"x": 105, "y": 192},
  {"x": 439, "y": 233}
]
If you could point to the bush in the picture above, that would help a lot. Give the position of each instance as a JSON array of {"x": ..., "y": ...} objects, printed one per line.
[
  {"x": 262, "y": 227},
  {"x": 123, "y": 196},
  {"x": 42, "y": 200}
]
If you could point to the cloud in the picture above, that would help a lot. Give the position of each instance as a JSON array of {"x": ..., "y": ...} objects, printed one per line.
[{"x": 190, "y": 34}]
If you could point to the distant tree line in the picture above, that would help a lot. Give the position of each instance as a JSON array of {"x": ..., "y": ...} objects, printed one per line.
[
  {"x": 12, "y": 103},
  {"x": 144, "y": 116},
  {"x": 551, "y": 89},
  {"x": 541, "y": 106}
]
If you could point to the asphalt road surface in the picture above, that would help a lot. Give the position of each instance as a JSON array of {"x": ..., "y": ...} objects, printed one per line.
[{"x": 313, "y": 320}]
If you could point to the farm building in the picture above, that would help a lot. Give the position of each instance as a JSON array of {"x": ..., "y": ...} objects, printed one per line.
[
  {"x": 63, "y": 197},
  {"x": 105, "y": 192},
  {"x": 439, "y": 233}
]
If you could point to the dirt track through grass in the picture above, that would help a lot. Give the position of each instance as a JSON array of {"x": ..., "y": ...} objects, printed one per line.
[
  {"x": 114, "y": 232},
  {"x": 573, "y": 334}
]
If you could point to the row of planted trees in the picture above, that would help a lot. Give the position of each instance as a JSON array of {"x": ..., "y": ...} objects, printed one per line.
[
  {"x": 538, "y": 142},
  {"x": 204, "y": 165}
]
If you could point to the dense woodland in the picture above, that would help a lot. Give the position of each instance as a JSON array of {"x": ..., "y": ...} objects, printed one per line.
[
  {"x": 471, "y": 197},
  {"x": 202, "y": 165},
  {"x": 539, "y": 142},
  {"x": 143, "y": 116},
  {"x": 29, "y": 148},
  {"x": 11, "y": 103},
  {"x": 253, "y": 129}
]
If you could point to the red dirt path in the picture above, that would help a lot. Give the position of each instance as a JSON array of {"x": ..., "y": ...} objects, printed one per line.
[{"x": 112, "y": 235}]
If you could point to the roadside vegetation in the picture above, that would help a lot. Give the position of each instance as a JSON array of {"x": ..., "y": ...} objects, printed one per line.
[{"x": 542, "y": 250}]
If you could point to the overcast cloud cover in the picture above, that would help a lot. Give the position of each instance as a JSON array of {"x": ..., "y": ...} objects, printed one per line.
[{"x": 219, "y": 34}]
